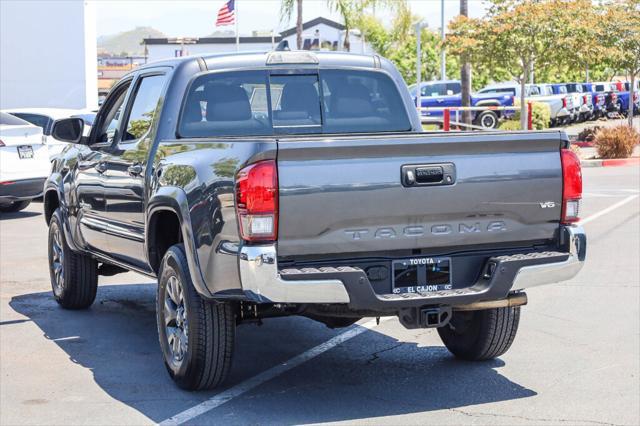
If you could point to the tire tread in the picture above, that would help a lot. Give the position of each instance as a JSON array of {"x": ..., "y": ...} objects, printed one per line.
[
  {"x": 491, "y": 336},
  {"x": 214, "y": 332}
]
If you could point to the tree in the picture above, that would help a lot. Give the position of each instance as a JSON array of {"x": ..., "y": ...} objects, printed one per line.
[
  {"x": 286, "y": 10},
  {"x": 622, "y": 20},
  {"x": 515, "y": 35},
  {"x": 353, "y": 10},
  {"x": 397, "y": 42}
]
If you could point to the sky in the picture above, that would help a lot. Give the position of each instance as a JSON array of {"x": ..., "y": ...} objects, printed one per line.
[{"x": 196, "y": 18}]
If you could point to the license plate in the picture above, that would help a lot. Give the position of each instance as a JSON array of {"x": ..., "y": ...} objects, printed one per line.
[
  {"x": 421, "y": 274},
  {"x": 25, "y": 151}
]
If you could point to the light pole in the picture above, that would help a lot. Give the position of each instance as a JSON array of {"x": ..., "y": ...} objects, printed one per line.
[{"x": 419, "y": 26}]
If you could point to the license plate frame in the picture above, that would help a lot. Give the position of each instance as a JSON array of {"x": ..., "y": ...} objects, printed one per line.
[
  {"x": 25, "y": 152},
  {"x": 421, "y": 274}
]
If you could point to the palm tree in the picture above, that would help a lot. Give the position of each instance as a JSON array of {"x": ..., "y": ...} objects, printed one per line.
[
  {"x": 351, "y": 10},
  {"x": 286, "y": 10},
  {"x": 465, "y": 72}
]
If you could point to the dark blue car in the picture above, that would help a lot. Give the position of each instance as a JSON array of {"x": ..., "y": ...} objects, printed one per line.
[{"x": 447, "y": 93}]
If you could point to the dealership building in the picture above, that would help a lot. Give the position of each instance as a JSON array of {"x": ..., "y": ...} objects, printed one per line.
[
  {"x": 48, "y": 54},
  {"x": 318, "y": 34}
]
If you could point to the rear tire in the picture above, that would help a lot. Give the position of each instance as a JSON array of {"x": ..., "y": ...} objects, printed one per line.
[
  {"x": 74, "y": 276},
  {"x": 481, "y": 335},
  {"x": 14, "y": 206},
  {"x": 488, "y": 120},
  {"x": 196, "y": 335}
]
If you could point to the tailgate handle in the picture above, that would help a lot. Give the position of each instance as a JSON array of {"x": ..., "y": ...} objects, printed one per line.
[{"x": 428, "y": 174}]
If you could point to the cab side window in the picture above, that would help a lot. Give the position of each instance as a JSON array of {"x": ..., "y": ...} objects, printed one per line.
[{"x": 146, "y": 104}]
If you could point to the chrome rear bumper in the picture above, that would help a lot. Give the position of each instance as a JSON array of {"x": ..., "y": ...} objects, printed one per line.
[
  {"x": 576, "y": 244},
  {"x": 263, "y": 282},
  {"x": 260, "y": 277}
]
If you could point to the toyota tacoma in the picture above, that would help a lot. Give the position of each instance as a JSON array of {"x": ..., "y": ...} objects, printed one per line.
[{"x": 261, "y": 185}]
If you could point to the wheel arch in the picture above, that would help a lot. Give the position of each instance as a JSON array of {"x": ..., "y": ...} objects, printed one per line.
[
  {"x": 169, "y": 207},
  {"x": 51, "y": 201}
]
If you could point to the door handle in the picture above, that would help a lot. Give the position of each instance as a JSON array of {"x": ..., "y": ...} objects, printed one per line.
[
  {"x": 101, "y": 167},
  {"x": 135, "y": 169}
]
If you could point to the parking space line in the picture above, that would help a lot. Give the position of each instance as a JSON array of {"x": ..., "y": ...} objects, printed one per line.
[
  {"x": 267, "y": 375},
  {"x": 608, "y": 209}
]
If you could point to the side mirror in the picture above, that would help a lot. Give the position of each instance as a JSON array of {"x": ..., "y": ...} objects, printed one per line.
[{"x": 68, "y": 130}]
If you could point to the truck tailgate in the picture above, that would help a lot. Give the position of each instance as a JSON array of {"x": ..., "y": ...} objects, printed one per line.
[{"x": 350, "y": 194}]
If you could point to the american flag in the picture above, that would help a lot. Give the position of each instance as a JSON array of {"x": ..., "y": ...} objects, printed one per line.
[{"x": 226, "y": 14}]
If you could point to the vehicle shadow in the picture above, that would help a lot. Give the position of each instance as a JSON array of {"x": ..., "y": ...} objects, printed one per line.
[
  {"x": 19, "y": 215},
  {"x": 372, "y": 375}
]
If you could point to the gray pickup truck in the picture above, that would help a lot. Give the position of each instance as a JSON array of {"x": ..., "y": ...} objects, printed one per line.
[{"x": 293, "y": 183}]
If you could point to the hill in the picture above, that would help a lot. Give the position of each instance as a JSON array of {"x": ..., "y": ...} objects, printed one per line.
[{"x": 127, "y": 41}]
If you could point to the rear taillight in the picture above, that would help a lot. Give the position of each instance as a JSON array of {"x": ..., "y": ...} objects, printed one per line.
[
  {"x": 1, "y": 143},
  {"x": 571, "y": 186},
  {"x": 257, "y": 201},
  {"x": 564, "y": 102},
  {"x": 584, "y": 99}
]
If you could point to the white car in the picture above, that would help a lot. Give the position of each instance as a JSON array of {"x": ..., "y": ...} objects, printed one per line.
[
  {"x": 45, "y": 117},
  {"x": 24, "y": 163}
]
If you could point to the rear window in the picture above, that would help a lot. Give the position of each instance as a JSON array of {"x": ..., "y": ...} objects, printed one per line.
[
  {"x": 10, "y": 120},
  {"x": 39, "y": 120},
  {"x": 254, "y": 103}
]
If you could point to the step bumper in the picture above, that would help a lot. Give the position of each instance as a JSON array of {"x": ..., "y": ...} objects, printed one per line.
[{"x": 263, "y": 282}]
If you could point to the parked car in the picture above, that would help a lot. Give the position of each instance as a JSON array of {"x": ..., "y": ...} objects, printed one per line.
[
  {"x": 583, "y": 104},
  {"x": 612, "y": 104},
  {"x": 331, "y": 204},
  {"x": 599, "y": 98},
  {"x": 625, "y": 98},
  {"x": 24, "y": 163},
  {"x": 44, "y": 118},
  {"x": 448, "y": 94},
  {"x": 560, "y": 107}
]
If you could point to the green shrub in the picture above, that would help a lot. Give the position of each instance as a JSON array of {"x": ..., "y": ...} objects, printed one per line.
[
  {"x": 540, "y": 119},
  {"x": 510, "y": 125},
  {"x": 616, "y": 142}
]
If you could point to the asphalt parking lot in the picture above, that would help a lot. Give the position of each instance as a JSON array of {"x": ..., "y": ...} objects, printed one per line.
[{"x": 575, "y": 361}]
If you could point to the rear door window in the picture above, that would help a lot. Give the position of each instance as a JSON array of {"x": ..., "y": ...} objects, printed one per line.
[
  {"x": 453, "y": 88},
  {"x": 434, "y": 89}
]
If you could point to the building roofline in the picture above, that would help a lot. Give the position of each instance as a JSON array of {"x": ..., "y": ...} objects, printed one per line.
[
  {"x": 312, "y": 23},
  {"x": 211, "y": 40},
  {"x": 245, "y": 39}
]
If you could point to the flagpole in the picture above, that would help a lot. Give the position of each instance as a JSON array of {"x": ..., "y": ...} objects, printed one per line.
[{"x": 237, "y": 33}]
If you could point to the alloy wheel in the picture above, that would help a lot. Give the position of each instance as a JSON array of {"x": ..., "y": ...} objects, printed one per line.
[
  {"x": 175, "y": 320},
  {"x": 57, "y": 262}
]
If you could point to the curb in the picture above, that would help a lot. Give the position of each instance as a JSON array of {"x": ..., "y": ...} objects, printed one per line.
[{"x": 614, "y": 162}]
